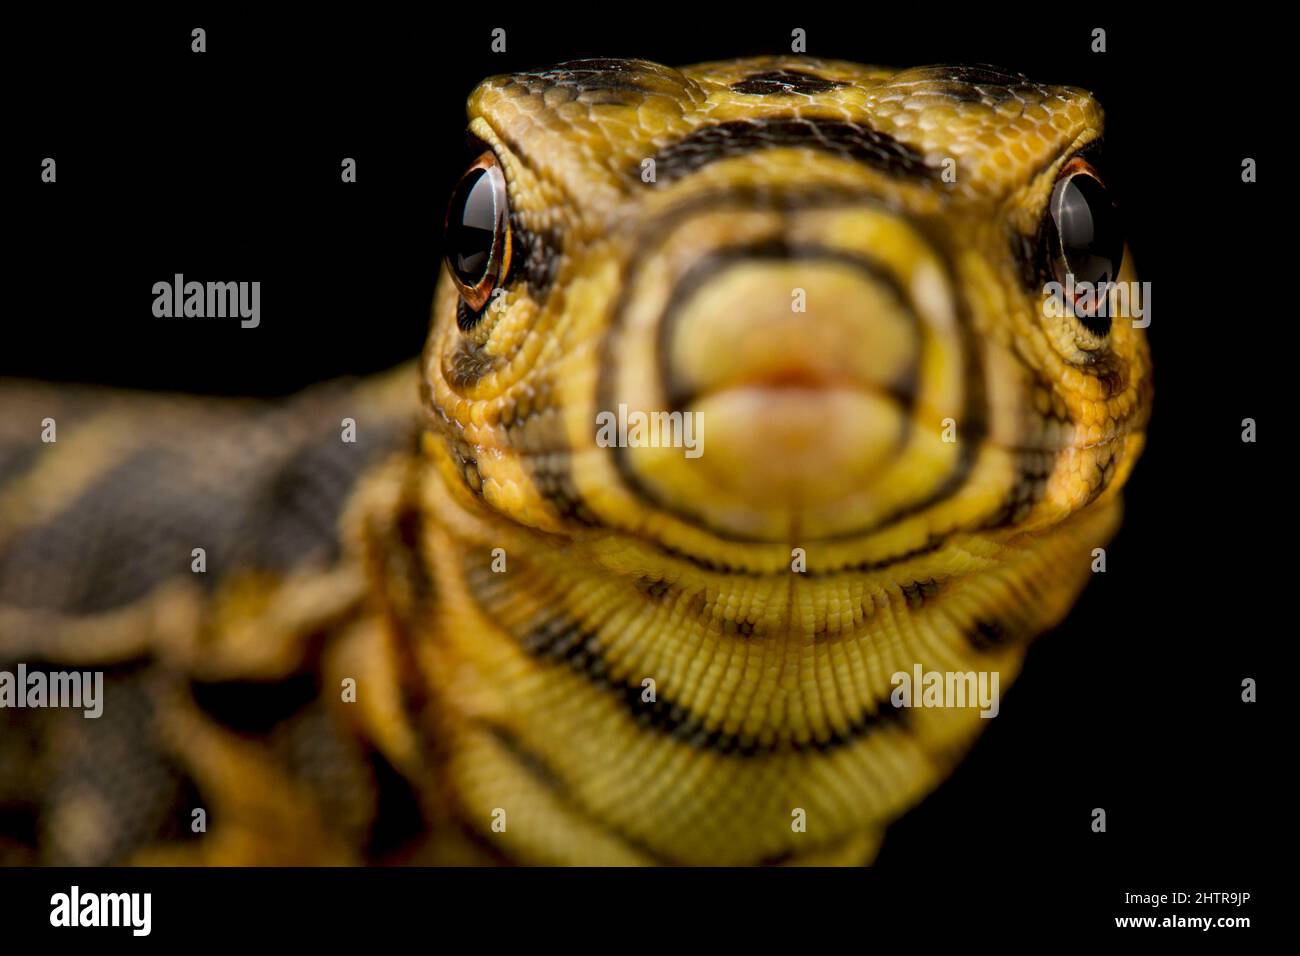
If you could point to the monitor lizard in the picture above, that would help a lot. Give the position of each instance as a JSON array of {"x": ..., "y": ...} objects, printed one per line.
[{"x": 477, "y": 634}]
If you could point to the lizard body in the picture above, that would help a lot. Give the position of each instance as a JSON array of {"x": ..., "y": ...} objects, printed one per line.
[{"x": 571, "y": 653}]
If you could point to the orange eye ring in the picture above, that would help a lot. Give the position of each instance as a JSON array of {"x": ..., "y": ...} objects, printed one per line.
[
  {"x": 1085, "y": 243},
  {"x": 476, "y": 231}
]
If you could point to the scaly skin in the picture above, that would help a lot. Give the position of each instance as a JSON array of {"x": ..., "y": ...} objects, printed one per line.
[{"x": 913, "y": 470}]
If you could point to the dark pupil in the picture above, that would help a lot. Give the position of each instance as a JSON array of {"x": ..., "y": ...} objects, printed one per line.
[
  {"x": 1087, "y": 224},
  {"x": 471, "y": 226}
]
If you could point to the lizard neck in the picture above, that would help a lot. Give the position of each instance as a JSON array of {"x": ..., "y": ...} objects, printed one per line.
[{"x": 597, "y": 700}]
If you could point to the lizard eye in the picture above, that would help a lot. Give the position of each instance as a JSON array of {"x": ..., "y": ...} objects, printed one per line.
[
  {"x": 477, "y": 231},
  {"x": 1085, "y": 243}
]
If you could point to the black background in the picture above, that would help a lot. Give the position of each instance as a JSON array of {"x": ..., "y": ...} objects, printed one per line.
[{"x": 225, "y": 165}]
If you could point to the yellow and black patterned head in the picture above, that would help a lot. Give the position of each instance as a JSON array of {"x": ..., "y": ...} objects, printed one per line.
[
  {"x": 760, "y": 361},
  {"x": 823, "y": 286}
]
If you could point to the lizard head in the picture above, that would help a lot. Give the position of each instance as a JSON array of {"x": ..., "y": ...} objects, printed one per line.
[
  {"x": 780, "y": 300},
  {"x": 703, "y": 330}
]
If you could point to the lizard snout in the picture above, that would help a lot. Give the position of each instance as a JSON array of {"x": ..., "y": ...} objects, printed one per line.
[{"x": 818, "y": 354}]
